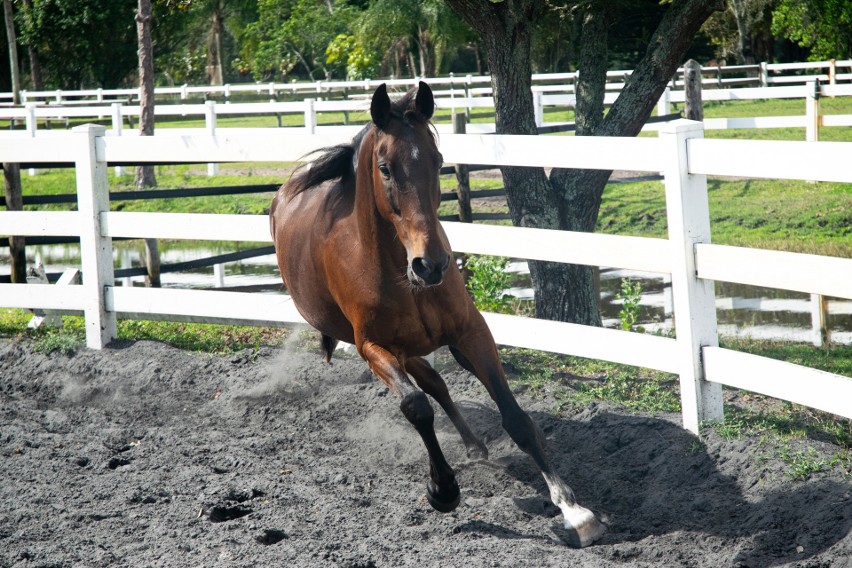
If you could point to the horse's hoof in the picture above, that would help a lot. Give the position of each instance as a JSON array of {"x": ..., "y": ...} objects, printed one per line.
[
  {"x": 477, "y": 453},
  {"x": 583, "y": 528},
  {"x": 443, "y": 500}
]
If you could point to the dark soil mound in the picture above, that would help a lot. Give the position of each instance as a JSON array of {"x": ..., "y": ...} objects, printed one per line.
[{"x": 143, "y": 454}]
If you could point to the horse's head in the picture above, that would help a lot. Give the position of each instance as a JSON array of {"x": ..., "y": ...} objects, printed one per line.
[{"x": 404, "y": 171}]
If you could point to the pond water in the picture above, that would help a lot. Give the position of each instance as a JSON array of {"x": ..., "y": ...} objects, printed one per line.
[{"x": 745, "y": 311}]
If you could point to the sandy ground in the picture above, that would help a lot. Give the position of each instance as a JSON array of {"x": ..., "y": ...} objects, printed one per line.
[{"x": 146, "y": 455}]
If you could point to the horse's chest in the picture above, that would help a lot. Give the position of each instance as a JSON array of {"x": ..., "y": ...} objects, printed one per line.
[{"x": 415, "y": 328}]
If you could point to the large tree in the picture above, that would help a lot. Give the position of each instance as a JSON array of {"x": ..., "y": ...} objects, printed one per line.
[{"x": 570, "y": 199}]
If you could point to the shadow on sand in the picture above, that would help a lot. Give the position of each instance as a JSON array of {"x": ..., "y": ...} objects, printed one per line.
[{"x": 651, "y": 477}]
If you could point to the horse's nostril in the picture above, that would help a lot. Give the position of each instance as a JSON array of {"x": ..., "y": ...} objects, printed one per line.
[
  {"x": 429, "y": 272},
  {"x": 422, "y": 267}
]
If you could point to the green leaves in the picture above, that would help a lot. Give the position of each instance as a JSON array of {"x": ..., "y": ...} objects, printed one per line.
[
  {"x": 488, "y": 282},
  {"x": 824, "y": 26}
]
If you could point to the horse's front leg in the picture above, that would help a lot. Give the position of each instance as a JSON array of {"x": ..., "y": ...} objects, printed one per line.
[
  {"x": 477, "y": 353},
  {"x": 442, "y": 491},
  {"x": 432, "y": 384}
]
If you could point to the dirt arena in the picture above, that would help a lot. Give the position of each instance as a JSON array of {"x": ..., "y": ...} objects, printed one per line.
[{"x": 146, "y": 455}]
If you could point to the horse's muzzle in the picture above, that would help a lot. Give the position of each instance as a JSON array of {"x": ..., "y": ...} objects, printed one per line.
[{"x": 424, "y": 271}]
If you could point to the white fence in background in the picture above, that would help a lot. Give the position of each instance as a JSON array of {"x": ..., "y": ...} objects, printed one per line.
[
  {"x": 310, "y": 109},
  {"x": 756, "y": 75},
  {"x": 687, "y": 255}
]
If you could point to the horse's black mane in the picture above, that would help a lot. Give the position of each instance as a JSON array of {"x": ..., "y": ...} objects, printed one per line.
[{"x": 340, "y": 161}]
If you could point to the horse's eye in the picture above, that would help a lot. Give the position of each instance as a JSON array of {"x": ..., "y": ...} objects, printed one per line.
[{"x": 385, "y": 171}]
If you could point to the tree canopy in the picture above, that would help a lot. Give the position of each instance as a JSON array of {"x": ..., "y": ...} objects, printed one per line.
[{"x": 91, "y": 43}]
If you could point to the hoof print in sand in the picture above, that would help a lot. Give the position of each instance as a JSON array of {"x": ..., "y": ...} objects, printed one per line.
[
  {"x": 116, "y": 463},
  {"x": 270, "y": 536},
  {"x": 224, "y": 513}
]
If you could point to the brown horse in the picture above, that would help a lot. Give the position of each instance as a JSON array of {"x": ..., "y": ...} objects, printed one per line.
[{"x": 366, "y": 261}]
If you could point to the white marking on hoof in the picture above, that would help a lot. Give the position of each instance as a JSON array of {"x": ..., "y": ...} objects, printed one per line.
[{"x": 584, "y": 527}]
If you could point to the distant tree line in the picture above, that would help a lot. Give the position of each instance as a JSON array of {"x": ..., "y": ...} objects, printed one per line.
[{"x": 67, "y": 44}]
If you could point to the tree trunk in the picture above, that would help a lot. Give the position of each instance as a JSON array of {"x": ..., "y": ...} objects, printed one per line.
[
  {"x": 214, "y": 51},
  {"x": 145, "y": 174},
  {"x": 14, "y": 202},
  {"x": 570, "y": 199},
  {"x": 12, "y": 172},
  {"x": 740, "y": 9},
  {"x": 35, "y": 63},
  {"x": 13, "y": 51}
]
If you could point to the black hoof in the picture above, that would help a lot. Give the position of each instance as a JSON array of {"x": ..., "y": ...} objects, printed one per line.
[{"x": 443, "y": 500}]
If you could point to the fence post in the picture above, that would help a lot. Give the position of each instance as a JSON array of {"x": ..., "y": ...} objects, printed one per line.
[
  {"x": 117, "y": 127},
  {"x": 32, "y": 127},
  {"x": 764, "y": 74},
  {"x": 832, "y": 72},
  {"x": 694, "y": 299},
  {"x": 538, "y": 109},
  {"x": 95, "y": 248},
  {"x": 692, "y": 91},
  {"x": 462, "y": 175},
  {"x": 210, "y": 122},
  {"x": 812, "y": 111},
  {"x": 664, "y": 105},
  {"x": 219, "y": 275},
  {"x": 819, "y": 320},
  {"x": 310, "y": 117}
]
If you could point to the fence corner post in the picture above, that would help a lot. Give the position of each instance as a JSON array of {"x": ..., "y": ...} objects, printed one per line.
[
  {"x": 95, "y": 247},
  {"x": 694, "y": 298}
]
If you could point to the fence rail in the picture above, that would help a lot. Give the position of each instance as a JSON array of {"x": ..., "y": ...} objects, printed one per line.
[{"x": 687, "y": 255}]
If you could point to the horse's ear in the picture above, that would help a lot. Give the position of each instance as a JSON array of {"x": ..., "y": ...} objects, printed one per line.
[
  {"x": 424, "y": 102},
  {"x": 380, "y": 107}
]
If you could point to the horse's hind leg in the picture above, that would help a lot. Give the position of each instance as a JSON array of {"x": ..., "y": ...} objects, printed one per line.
[
  {"x": 442, "y": 490},
  {"x": 478, "y": 354},
  {"x": 432, "y": 384}
]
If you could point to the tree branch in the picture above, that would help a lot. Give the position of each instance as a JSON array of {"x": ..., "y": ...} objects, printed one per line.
[{"x": 665, "y": 50}]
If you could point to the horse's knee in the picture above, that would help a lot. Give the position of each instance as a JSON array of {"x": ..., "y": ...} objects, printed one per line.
[{"x": 416, "y": 408}]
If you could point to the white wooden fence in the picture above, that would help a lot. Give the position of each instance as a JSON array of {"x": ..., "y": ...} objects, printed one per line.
[
  {"x": 757, "y": 75},
  {"x": 687, "y": 255},
  {"x": 310, "y": 109}
]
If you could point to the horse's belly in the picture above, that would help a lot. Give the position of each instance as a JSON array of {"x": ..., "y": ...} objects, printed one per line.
[{"x": 300, "y": 231}]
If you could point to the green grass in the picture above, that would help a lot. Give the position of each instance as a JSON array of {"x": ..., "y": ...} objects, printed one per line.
[
  {"x": 575, "y": 382},
  {"x": 56, "y": 181},
  {"x": 209, "y": 338},
  {"x": 834, "y": 359},
  {"x": 776, "y": 214}
]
